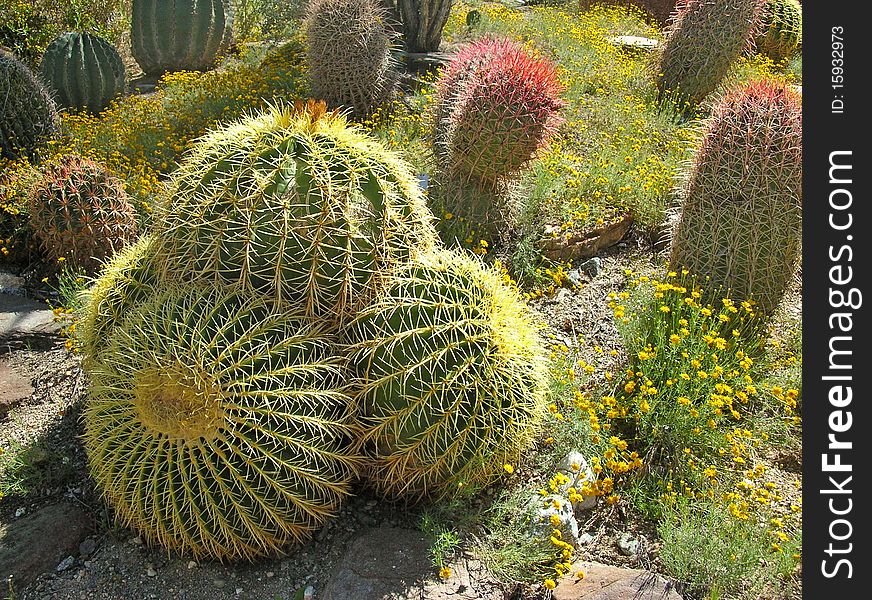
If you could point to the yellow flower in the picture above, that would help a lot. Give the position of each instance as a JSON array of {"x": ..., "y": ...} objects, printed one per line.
[
  {"x": 444, "y": 572},
  {"x": 508, "y": 468},
  {"x": 550, "y": 584}
]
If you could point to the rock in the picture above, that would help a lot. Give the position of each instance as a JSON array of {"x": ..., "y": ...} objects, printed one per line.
[
  {"x": 605, "y": 582},
  {"x": 629, "y": 544},
  {"x": 585, "y": 538},
  {"x": 87, "y": 547},
  {"x": 20, "y": 511},
  {"x": 634, "y": 43},
  {"x": 65, "y": 564},
  {"x": 548, "y": 509},
  {"x": 309, "y": 593},
  {"x": 592, "y": 267},
  {"x": 149, "y": 571},
  {"x": 192, "y": 564},
  {"x": 22, "y": 318},
  {"x": 14, "y": 387},
  {"x": 575, "y": 278},
  {"x": 575, "y": 466},
  {"x": 39, "y": 541}
]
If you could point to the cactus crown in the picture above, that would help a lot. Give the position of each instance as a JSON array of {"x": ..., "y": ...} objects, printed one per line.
[
  {"x": 741, "y": 219},
  {"x": 349, "y": 54},
  {"x": 28, "y": 115},
  {"x": 79, "y": 211},
  {"x": 295, "y": 204},
  {"x": 781, "y": 33},
  {"x": 451, "y": 377},
  {"x": 83, "y": 70},
  {"x": 215, "y": 425}
]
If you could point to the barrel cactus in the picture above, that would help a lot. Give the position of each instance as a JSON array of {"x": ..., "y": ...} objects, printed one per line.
[
  {"x": 28, "y": 115},
  {"x": 78, "y": 211},
  {"x": 703, "y": 41},
  {"x": 215, "y": 426},
  {"x": 349, "y": 55},
  {"x": 741, "y": 219},
  {"x": 179, "y": 35},
  {"x": 297, "y": 205},
  {"x": 781, "y": 34},
  {"x": 127, "y": 280},
  {"x": 83, "y": 70},
  {"x": 451, "y": 377}
]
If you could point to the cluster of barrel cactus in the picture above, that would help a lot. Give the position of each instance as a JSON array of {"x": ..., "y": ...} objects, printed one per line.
[
  {"x": 496, "y": 106},
  {"x": 741, "y": 217},
  {"x": 29, "y": 115},
  {"x": 781, "y": 33},
  {"x": 349, "y": 54},
  {"x": 264, "y": 348},
  {"x": 703, "y": 41}
]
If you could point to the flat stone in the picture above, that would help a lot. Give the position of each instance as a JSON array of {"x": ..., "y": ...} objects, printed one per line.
[
  {"x": 41, "y": 540},
  {"x": 14, "y": 387},
  {"x": 20, "y": 316},
  {"x": 605, "y": 582},
  {"x": 635, "y": 43}
]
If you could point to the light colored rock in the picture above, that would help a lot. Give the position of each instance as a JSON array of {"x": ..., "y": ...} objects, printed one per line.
[
  {"x": 629, "y": 544},
  {"x": 605, "y": 582},
  {"x": 575, "y": 466},
  {"x": 554, "y": 512},
  {"x": 634, "y": 43}
]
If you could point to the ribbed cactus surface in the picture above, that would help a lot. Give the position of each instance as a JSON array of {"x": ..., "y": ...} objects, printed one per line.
[
  {"x": 179, "y": 35},
  {"x": 215, "y": 427},
  {"x": 297, "y": 205},
  {"x": 127, "y": 280},
  {"x": 781, "y": 33},
  {"x": 80, "y": 212},
  {"x": 349, "y": 54},
  {"x": 83, "y": 70},
  {"x": 703, "y": 41},
  {"x": 28, "y": 115},
  {"x": 741, "y": 219},
  {"x": 451, "y": 377}
]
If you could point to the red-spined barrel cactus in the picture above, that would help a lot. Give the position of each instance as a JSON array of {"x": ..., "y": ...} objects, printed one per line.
[
  {"x": 741, "y": 217},
  {"x": 781, "y": 34},
  {"x": 179, "y": 35},
  {"x": 28, "y": 115},
  {"x": 348, "y": 49},
  {"x": 297, "y": 205},
  {"x": 83, "y": 70},
  {"x": 703, "y": 41},
  {"x": 451, "y": 377},
  {"x": 215, "y": 424},
  {"x": 80, "y": 212}
]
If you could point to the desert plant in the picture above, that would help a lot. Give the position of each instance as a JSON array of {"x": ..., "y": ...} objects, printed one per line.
[
  {"x": 703, "y": 41},
  {"x": 128, "y": 279},
  {"x": 297, "y": 205},
  {"x": 497, "y": 106},
  {"x": 215, "y": 427},
  {"x": 423, "y": 22},
  {"x": 452, "y": 377},
  {"x": 659, "y": 10},
  {"x": 27, "y": 112},
  {"x": 179, "y": 35},
  {"x": 83, "y": 71},
  {"x": 741, "y": 216},
  {"x": 781, "y": 34},
  {"x": 349, "y": 55},
  {"x": 80, "y": 212}
]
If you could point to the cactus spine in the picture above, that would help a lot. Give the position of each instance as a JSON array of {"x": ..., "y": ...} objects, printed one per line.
[
  {"x": 451, "y": 375},
  {"x": 297, "y": 205},
  {"x": 704, "y": 40},
  {"x": 215, "y": 426},
  {"x": 83, "y": 70},
  {"x": 741, "y": 219},
  {"x": 28, "y": 115},
  {"x": 781, "y": 34},
  {"x": 80, "y": 212},
  {"x": 349, "y": 55},
  {"x": 179, "y": 35}
]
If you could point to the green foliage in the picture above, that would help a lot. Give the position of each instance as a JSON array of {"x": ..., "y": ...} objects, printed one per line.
[
  {"x": 266, "y": 19},
  {"x": 781, "y": 34},
  {"x": 702, "y": 43},
  {"x": 349, "y": 55},
  {"x": 83, "y": 71},
  {"x": 741, "y": 224},
  {"x": 179, "y": 35},
  {"x": 29, "y": 116},
  {"x": 452, "y": 377},
  {"x": 80, "y": 212},
  {"x": 297, "y": 205},
  {"x": 215, "y": 425}
]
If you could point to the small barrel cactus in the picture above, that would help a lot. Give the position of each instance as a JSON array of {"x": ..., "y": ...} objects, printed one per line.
[
  {"x": 215, "y": 426},
  {"x": 127, "y": 280},
  {"x": 741, "y": 219},
  {"x": 703, "y": 41},
  {"x": 83, "y": 70},
  {"x": 781, "y": 34},
  {"x": 297, "y": 205},
  {"x": 80, "y": 212},
  {"x": 349, "y": 55},
  {"x": 179, "y": 35},
  {"x": 452, "y": 377},
  {"x": 28, "y": 116}
]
